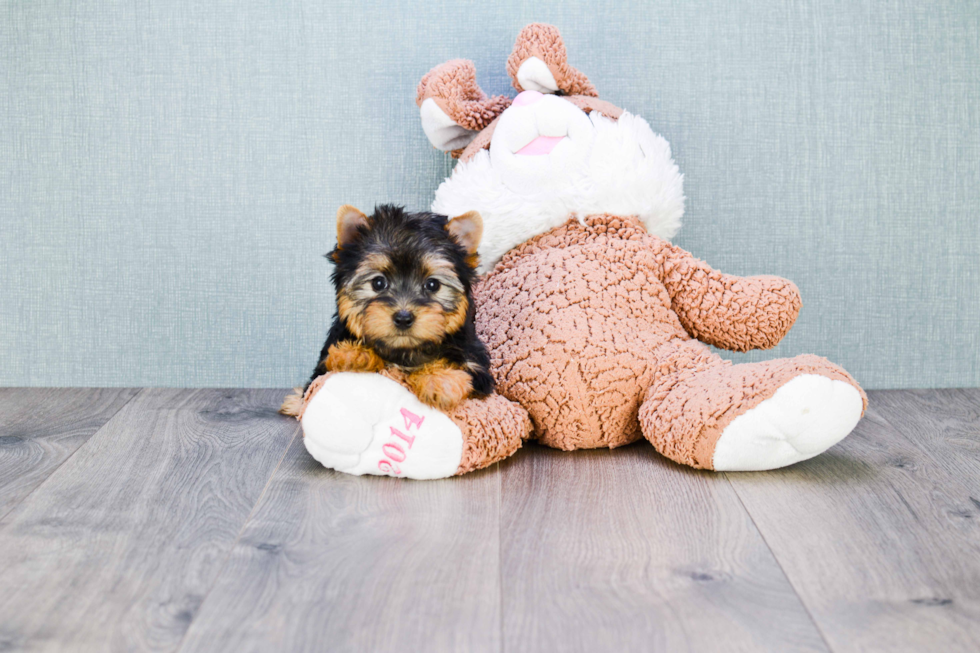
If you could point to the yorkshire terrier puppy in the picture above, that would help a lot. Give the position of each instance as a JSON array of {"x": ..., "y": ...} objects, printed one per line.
[{"x": 403, "y": 293}]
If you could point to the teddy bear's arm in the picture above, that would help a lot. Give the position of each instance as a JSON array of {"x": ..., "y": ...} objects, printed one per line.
[{"x": 734, "y": 313}]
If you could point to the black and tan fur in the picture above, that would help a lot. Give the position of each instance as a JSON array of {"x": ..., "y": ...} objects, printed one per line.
[{"x": 403, "y": 285}]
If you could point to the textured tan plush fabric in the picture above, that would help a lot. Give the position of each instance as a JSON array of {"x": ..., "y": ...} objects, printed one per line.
[
  {"x": 695, "y": 394},
  {"x": 570, "y": 318},
  {"x": 587, "y": 321},
  {"x": 453, "y": 87},
  {"x": 734, "y": 313},
  {"x": 492, "y": 428},
  {"x": 481, "y": 142},
  {"x": 545, "y": 43}
]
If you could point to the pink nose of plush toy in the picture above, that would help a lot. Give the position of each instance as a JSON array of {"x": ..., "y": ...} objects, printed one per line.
[{"x": 525, "y": 98}]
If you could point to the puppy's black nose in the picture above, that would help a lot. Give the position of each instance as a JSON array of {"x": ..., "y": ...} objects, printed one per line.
[{"x": 403, "y": 319}]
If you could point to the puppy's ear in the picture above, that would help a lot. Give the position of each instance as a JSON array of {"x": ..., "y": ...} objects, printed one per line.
[
  {"x": 349, "y": 221},
  {"x": 467, "y": 230}
]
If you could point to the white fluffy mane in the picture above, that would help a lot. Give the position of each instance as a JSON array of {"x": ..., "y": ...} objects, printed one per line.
[{"x": 629, "y": 171}]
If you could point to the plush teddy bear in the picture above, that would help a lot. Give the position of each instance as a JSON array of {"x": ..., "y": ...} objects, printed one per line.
[{"x": 597, "y": 326}]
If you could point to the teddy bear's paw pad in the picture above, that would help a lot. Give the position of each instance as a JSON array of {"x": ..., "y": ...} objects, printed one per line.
[
  {"x": 368, "y": 424},
  {"x": 805, "y": 417}
]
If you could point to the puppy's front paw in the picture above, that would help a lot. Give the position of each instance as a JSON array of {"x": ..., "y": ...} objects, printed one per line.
[
  {"x": 292, "y": 405},
  {"x": 348, "y": 356},
  {"x": 441, "y": 386}
]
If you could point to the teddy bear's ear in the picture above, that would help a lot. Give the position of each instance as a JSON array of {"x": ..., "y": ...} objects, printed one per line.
[
  {"x": 349, "y": 223},
  {"x": 467, "y": 230},
  {"x": 452, "y": 107},
  {"x": 539, "y": 63}
]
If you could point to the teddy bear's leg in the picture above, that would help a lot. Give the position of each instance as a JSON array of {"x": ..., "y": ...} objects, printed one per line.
[
  {"x": 372, "y": 424},
  {"x": 704, "y": 412}
]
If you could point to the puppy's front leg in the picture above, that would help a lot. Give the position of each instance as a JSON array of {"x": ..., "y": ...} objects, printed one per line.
[
  {"x": 440, "y": 385},
  {"x": 352, "y": 356},
  {"x": 345, "y": 356}
]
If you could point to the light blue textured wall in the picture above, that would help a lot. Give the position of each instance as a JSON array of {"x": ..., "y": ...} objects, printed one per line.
[{"x": 169, "y": 170}]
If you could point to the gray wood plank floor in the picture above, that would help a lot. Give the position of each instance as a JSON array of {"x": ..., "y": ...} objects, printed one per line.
[
  {"x": 343, "y": 563},
  {"x": 194, "y": 520},
  {"x": 117, "y": 549},
  {"x": 41, "y": 428},
  {"x": 623, "y": 550},
  {"x": 880, "y": 540}
]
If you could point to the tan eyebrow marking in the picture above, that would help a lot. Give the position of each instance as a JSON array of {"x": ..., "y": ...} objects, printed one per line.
[{"x": 441, "y": 269}]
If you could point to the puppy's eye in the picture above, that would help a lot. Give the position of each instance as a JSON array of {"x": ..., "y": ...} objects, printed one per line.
[
  {"x": 378, "y": 284},
  {"x": 432, "y": 285}
]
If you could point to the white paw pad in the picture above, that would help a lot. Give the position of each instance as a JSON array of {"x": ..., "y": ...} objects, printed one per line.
[
  {"x": 368, "y": 424},
  {"x": 805, "y": 417}
]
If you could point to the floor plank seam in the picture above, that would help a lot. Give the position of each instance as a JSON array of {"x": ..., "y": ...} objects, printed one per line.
[
  {"x": 238, "y": 537},
  {"x": 779, "y": 563},
  {"x": 54, "y": 471}
]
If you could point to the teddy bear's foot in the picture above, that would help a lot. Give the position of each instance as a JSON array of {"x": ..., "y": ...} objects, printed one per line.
[
  {"x": 709, "y": 414},
  {"x": 805, "y": 417},
  {"x": 372, "y": 424},
  {"x": 368, "y": 424}
]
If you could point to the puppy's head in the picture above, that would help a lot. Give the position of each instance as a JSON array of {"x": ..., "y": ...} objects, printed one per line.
[{"x": 403, "y": 279}]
